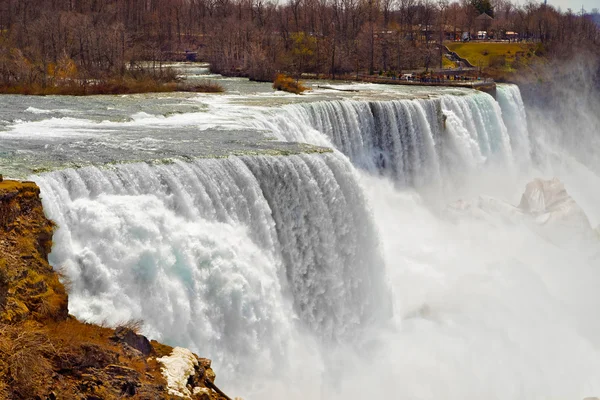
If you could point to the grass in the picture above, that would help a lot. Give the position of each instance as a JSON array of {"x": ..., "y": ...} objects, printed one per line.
[
  {"x": 483, "y": 54},
  {"x": 24, "y": 365},
  {"x": 11, "y": 186},
  {"x": 447, "y": 64}
]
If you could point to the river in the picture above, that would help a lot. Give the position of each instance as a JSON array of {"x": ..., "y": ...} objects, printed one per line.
[{"x": 335, "y": 245}]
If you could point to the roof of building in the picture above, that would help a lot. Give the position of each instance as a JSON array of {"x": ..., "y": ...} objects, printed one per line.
[{"x": 484, "y": 16}]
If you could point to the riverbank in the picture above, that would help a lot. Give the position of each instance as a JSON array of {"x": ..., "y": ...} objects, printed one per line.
[
  {"x": 46, "y": 353},
  {"x": 484, "y": 85},
  {"x": 116, "y": 86}
]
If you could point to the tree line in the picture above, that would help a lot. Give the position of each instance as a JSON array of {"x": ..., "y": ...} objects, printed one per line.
[{"x": 49, "y": 41}]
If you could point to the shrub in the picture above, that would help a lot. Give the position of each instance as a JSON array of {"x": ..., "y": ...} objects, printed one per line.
[{"x": 288, "y": 84}]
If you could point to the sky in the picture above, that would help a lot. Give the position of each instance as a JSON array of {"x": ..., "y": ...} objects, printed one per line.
[{"x": 575, "y": 5}]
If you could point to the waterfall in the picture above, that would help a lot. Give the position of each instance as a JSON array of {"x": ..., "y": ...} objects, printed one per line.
[
  {"x": 395, "y": 138},
  {"x": 236, "y": 245},
  {"x": 515, "y": 119},
  {"x": 327, "y": 276},
  {"x": 414, "y": 142},
  {"x": 219, "y": 254}
]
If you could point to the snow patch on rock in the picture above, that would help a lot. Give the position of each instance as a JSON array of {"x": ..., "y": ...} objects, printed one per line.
[{"x": 177, "y": 368}]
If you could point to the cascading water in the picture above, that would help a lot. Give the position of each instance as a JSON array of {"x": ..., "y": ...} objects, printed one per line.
[
  {"x": 396, "y": 138},
  {"x": 219, "y": 253},
  {"x": 415, "y": 142},
  {"x": 515, "y": 119},
  {"x": 278, "y": 267}
]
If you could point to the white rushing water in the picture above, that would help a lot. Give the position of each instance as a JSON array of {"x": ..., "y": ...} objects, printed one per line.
[
  {"x": 353, "y": 274},
  {"x": 414, "y": 142},
  {"x": 217, "y": 252}
]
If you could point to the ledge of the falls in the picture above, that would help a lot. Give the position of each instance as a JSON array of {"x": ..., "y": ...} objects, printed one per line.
[{"x": 45, "y": 353}]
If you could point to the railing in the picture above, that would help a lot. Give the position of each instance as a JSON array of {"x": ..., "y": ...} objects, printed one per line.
[{"x": 445, "y": 80}]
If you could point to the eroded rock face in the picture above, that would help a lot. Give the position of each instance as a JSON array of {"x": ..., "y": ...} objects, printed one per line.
[{"x": 29, "y": 288}]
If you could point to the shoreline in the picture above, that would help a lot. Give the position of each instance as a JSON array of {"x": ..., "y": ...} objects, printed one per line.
[{"x": 112, "y": 88}]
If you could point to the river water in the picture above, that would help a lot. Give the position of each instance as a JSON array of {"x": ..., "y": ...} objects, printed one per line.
[{"x": 336, "y": 245}]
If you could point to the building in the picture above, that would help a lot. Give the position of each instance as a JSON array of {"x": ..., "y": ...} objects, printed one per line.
[{"x": 483, "y": 22}]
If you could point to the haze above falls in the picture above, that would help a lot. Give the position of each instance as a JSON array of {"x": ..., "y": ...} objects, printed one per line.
[{"x": 401, "y": 264}]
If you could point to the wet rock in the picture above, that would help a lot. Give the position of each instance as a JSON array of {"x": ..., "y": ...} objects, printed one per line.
[
  {"x": 549, "y": 201},
  {"x": 559, "y": 218},
  {"x": 545, "y": 207}
]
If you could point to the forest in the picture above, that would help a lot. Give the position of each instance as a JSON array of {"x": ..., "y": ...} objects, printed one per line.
[{"x": 87, "y": 43}]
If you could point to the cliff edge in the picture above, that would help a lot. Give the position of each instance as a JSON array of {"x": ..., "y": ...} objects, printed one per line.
[{"x": 45, "y": 353}]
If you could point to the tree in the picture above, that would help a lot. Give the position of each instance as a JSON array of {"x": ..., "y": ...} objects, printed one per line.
[
  {"x": 303, "y": 50},
  {"x": 483, "y": 6}
]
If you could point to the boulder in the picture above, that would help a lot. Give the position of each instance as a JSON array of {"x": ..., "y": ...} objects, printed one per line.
[
  {"x": 545, "y": 207},
  {"x": 136, "y": 341},
  {"x": 549, "y": 202}
]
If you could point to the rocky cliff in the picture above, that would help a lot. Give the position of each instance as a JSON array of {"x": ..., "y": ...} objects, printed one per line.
[{"x": 47, "y": 354}]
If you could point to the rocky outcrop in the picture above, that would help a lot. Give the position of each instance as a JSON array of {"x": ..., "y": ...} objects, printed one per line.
[
  {"x": 545, "y": 207},
  {"x": 47, "y": 354},
  {"x": 29, "y": 288},
  {"x": 550, "y": 204}
]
